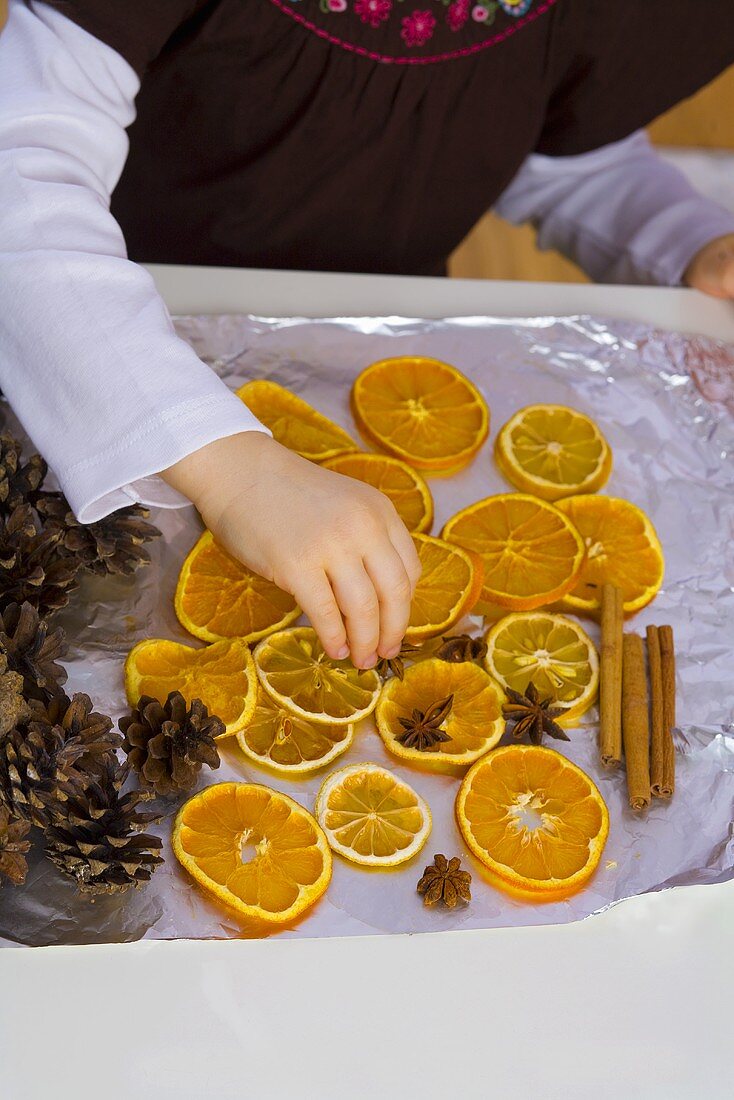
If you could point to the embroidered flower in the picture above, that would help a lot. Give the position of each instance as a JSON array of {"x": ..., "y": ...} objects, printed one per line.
[
  {"x": 515, "y": 7},
  {"x": 479, "y": 13},
  {"x": 418, "y": 28},
  {"x": 457, "y": 14},
  {"x": 336, "y": 5},
  {"x": 373, "y": 12}
]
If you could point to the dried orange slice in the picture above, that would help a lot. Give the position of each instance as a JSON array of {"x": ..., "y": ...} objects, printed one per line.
[
  {"x": 221, "y": 675},
  {"x": 532, "y": 553},
  {"x": 622, "y": 548},
  {"x": 371, "y": 817},
  {"x": 253, "y": 849},
  {"x": 293, "y": 422},
  {"x": 449, "y": 586},
  {"x": 288, "y": 744},
  {"x": 535, "y": 820},
  {"x": 422, "y": 411},
  {"x": 296, "y": 672},
  {"x": 552, "y": 652},
  {"x": 219, "y": 597},
  {"x": 474, "y": 724},
  {"x": 398, "y": 481},
  {"x": 553, "y": 451}
]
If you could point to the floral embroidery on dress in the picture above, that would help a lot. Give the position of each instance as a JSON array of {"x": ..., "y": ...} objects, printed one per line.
[
  {"x": 373, "y": 12},
  {"x": 418, "y": 25},
  {"x": 418, "y": 28}
]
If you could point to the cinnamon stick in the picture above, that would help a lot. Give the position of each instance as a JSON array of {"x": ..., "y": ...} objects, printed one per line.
[
  {"x": 667, "y": 663},
  {"x": 610, "y": 679},
  {"x": 635, "y": 724}
]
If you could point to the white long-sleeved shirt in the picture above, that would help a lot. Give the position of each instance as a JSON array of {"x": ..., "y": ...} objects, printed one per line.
[{"x": 88, "y": 356}]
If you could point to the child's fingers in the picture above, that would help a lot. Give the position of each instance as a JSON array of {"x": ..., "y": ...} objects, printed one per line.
[
  {"x": 316, "y": 598},
  {"x": 358, "y": 603},
  {"x": 394, "y": 591},
  {"x": 403, "y": 543}
]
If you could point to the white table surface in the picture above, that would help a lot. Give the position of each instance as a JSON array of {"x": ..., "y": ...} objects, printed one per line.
[{"x": 634, "y": 1002}]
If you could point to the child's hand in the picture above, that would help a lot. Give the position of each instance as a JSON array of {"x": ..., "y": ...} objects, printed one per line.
[
  {"x": 712, "y": 269},
  {"x": 336, "y": 544}
]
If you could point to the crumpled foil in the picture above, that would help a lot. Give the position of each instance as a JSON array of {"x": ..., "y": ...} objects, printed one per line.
[{"x": 664, "y": 402}]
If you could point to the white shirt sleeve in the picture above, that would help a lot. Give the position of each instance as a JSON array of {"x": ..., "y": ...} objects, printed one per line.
[
  {"x": 621, "y": 212},
  {"x": 88, "y": 356}
]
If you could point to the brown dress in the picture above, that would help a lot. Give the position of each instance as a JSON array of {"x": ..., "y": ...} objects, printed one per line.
[{"x": 370, "y": 135}]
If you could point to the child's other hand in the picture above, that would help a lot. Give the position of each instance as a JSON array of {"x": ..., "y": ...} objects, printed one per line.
[
  {"x": 336, "y": 544},
  {"x": 712, "y": 269}
]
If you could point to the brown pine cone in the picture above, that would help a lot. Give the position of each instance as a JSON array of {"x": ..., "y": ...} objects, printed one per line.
[
  {"x": 97, "y": 839},
  {"x": 167, "y": 745},
  {"x": 33, "y": 564},
  {"x": 13, "y": 848},
  {"x": 20, "y": 481},
  {"x": 111, "y": 545},
  {"x": 60, "y": 747},
  {"x": 13, "y": 707},
  {"x": 33, "y": 651}
]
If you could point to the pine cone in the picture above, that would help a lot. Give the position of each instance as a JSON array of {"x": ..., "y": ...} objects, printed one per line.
[
  {"x": 33, "y": 651},
  {"x": 13, "y": 707},
  {"x": 19, "y": 481},
  {"x": 98, "y": 839},
  {"x": 111, "y": 545},
  {"x": 168, "y": 744},
  {"x": 61, "y": 747},
  {"x": 33, "y": 563},
  {"x": 13, "y": 848}
]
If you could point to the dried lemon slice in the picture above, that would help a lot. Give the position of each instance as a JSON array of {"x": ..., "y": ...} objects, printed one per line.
[
  {"x": 550, "y": 651},
  {"x": 289, "y": 744},
  {"x": 371, "y": 817},
  {"x": 553, "y": 452},
  {"x": 296, "y": 672}
]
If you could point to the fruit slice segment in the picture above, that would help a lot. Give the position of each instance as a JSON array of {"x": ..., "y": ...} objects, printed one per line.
[
  {"x": 289, "y": 744},
  {"x": 397, "y": 480},
  {"x": 296, "y": 672},
  {"x": 622, "y": 548},
  {"x": 371, "y": 817},
  {"x": 421, "y": 410},
  {"x": 221, "y": 675},
  {"x": 253, "y": 849},
  {"x": 535, "y": 820},
  {"x": 550, "y": 651},
  {"x": 553, "y": 452},
  {"x": 474, "y": 725},
  {"x": 532, "y": 553},
  {"x": 218, "y": 597},
  {"x": 449, "y": 586},
  {"x": 293, "y": 422}
]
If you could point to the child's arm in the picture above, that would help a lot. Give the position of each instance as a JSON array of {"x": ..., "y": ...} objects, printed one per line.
[
  {"x": 111, "y": 396},
  {"x": 625, "y": 216}
]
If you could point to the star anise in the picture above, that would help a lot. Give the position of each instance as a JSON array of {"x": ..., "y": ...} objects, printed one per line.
[
  {"x": 423, "y": 729},
  {"x": 461, "y": 647},
  {"x": 533, "y": 715},
  {"x": 395, "y": 666},
  {"x": 443, "y": 881}
]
